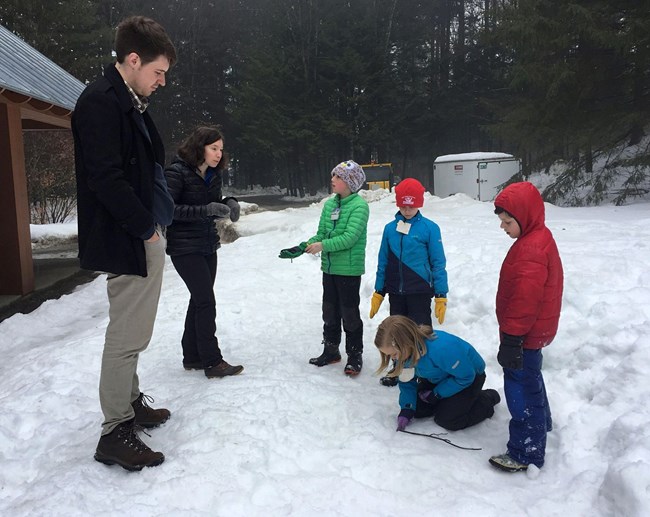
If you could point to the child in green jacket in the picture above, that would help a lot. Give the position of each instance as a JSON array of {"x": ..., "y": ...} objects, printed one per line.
[{"x": 341, "y": 241}]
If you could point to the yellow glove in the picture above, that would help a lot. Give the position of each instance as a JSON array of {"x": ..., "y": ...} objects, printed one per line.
[
  {"x": 375, "y": 303},
  {"x": 440, "y": 309}
]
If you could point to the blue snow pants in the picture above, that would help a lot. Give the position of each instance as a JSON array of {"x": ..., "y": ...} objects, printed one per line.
[{"x": 531, "y": 415}]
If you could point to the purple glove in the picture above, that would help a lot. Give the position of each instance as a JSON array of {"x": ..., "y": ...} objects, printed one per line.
[
  {"x": 402, "y": 422},
  {"x": 404, "y": 418},
  {"x": 429, "y": 396}
]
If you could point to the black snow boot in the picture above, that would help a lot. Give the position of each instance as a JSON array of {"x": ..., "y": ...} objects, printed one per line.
[
  {"x": 354, "y": 364},
  {"x": 330, "y": 355},
  {"x": 354, "y": 349},
  {"x": 388, "y": 380},
  {"x": 492, "y": 396}
]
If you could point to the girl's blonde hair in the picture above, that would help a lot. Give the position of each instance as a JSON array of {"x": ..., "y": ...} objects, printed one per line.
[{"x": 407, "y": 337}]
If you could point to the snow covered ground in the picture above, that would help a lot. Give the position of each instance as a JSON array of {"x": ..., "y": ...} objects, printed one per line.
[{"x": 287, "y": 438}]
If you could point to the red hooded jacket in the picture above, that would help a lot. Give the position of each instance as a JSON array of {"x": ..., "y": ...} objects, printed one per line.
[{"x": 529, "y": 297}]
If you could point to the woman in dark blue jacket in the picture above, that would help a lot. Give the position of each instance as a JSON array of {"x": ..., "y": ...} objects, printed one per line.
[
  {"x": 194, "y": 180},
  {"x": 440, "y": 374}
]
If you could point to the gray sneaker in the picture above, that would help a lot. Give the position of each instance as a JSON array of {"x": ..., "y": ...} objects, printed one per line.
[{"x": 506, "y": 463}]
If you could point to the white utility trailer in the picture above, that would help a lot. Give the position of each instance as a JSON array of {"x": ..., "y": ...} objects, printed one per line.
[{"x": 476, "y": 174}]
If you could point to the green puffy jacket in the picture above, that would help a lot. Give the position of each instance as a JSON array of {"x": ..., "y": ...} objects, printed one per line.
[{"x": 343, "y": 238}]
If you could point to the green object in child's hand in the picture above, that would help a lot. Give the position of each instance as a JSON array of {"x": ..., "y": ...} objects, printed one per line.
[{"x": 294, "y": 252}]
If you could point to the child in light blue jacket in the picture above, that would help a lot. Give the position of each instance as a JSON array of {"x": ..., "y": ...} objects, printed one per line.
[
  {"x": 411, "y": 266},
  {"x": 440, "y": 374}
]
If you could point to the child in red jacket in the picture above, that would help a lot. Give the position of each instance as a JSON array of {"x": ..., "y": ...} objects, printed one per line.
[{"x": 528, "y": 304}]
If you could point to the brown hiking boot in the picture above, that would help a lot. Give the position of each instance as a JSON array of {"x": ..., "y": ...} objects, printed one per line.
[
  {"x": 123, "y": 447},
  {"x": 145, "y": 415},
  {"x": 223, "y": 369}
]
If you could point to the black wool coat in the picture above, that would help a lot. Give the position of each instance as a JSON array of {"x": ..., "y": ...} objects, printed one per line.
[
  {"x": 192, "y": 232},
  {"x": 115, "y": 156}
]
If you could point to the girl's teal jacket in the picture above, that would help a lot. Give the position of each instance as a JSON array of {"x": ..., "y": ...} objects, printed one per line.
[
  {"x": 450, "y": 363},
  {"x": 342, "y": 230}
]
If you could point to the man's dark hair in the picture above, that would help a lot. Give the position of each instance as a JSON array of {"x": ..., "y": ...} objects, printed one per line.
[
  {"x": 192, "y": 150},
  {"x": 145, "y": 37},
  {"x": 498, "y": 210}
]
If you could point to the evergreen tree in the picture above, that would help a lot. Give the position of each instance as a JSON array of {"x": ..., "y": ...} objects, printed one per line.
[
  {"x": 68, "y": 33},
  {"x": 577, "y": 85}
]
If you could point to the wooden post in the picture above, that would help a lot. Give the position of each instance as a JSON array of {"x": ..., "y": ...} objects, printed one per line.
[{"x": 16, "y": 266}]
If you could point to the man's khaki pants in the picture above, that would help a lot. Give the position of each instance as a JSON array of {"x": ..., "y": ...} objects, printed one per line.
[{"x": 133, "y": 302}]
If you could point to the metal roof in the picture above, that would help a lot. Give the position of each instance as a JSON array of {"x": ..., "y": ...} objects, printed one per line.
[{"x": 23, "y": 69}]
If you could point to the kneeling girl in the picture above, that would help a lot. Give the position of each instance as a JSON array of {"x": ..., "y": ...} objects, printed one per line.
[{"x": 440, "y": 374}]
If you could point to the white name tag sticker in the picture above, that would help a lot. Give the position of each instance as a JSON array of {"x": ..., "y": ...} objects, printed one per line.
[
  {"x": 403, "y": 227},
  {"x": 335, "y": 214},
  {"x": 407, "y": 374}
]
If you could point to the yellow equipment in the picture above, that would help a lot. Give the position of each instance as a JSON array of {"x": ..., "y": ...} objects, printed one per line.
[{"x": 378, "y": 175}]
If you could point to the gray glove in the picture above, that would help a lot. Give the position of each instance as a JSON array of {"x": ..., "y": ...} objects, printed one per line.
[
  {"x": 218, "y": 210},
  {"x": 235, "y": 209}
]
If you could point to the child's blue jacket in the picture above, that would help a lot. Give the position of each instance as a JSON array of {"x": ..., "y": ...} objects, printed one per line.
[
  {"x": 413, "y": 263},
  {"x": 450, "y": 363}
]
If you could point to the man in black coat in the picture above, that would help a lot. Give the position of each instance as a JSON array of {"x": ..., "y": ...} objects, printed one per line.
[{"x": 123, "y": 208}]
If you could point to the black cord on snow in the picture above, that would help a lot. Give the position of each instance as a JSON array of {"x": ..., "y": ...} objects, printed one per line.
[{"x": 446, "y": 440}]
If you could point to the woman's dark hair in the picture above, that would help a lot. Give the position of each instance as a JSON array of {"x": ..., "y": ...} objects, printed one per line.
[
  {"x": 192, "y": 150},
  {"x": 144, "y": 36}
]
